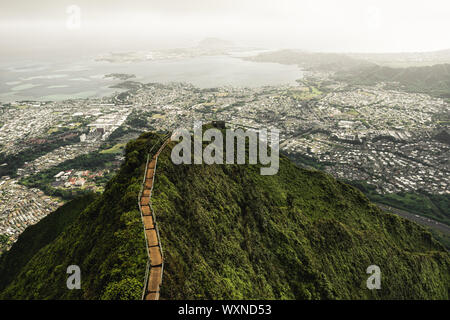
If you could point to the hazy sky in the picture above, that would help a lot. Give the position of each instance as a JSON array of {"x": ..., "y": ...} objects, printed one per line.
[{"x": 36, "y": 27}]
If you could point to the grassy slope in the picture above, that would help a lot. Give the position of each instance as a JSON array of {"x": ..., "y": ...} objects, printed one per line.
[
  {"x": 228, "y": 232},
  {"x": 38, "y": 236},
  {"x": 106, "y": 241}
]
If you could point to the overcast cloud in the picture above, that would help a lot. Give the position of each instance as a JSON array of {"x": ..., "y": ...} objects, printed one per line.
[{"x": 33, "y": 27}]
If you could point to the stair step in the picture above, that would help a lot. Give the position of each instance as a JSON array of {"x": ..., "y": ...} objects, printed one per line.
[
  {"x": 148, "y": 184},
  {"x": 145, "y": 201},
  {"x": 146, "y": 210},
  {"x": 148, "y": 222},
  {"x": 154, "y": 279},
  {"x": 150, "y": 173},
  {"x": 152, "y": 296},
  {"x": 152, "y": 238},
  {"x": 155, "y": 256}
]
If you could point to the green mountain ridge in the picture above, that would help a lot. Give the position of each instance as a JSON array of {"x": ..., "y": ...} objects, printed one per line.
[
  {"x": 433, "y": 80},
  {"x": 357, "y": 70},
  {"x": 319, "y": 61},
  {"x": 229, "y": 233}
]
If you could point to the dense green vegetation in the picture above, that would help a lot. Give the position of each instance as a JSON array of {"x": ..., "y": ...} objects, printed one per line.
[
  {"x": 38, "y": 236},
  {"x": 306, "y": 161},
  {"x": 139, "y": 119},
  {"x": 442, "y": 237},
  {"x": 3, "y": 238},
  {"x": 434, "y": 206},
  {"x": 434, "y": 80},
  {"x": 228, "y": 232},
  {"x": 4, "y": 242},
  {"x": 105, "y": 240}
]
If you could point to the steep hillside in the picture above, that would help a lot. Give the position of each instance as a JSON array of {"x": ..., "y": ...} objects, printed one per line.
[
  {"x": 228, "y": 232},
  {"x": 38, "y": 236},
  {"x": 106, "y": 241}
]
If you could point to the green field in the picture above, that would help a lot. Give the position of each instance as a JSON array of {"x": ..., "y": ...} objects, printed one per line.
[{"x": 118, "y": 148}]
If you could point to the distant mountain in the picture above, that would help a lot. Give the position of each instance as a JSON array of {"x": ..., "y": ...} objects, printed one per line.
[
  {"x": 405, "y": 59},
  {"x": 214, "y": 43},
  {"x": 434, "y": 80},
  {"x": 228, "y": 232},
  {"x": 311, "y": 60},
  {"x": 357, "y": 69}
]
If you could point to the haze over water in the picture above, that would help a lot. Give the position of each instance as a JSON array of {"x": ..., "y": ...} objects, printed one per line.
[{"x": 85, "y": 78}]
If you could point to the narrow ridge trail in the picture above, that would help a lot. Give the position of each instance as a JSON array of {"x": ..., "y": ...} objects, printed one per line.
[{"x": 155, "y": 264}]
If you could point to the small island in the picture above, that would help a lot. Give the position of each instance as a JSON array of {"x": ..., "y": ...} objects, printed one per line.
[{"x": 120, "y": 76}]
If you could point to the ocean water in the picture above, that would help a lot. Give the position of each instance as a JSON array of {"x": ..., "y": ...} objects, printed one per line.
[{"x": 30, "y": 80}]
